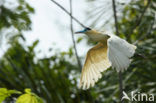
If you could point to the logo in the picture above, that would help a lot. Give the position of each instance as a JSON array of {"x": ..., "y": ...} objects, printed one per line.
[{"x": 138, "y": 96}]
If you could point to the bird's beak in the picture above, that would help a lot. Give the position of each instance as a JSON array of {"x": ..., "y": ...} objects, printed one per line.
[{"x": 79, "y": 32}]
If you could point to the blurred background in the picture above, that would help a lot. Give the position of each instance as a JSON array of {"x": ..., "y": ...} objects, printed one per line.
[{"x": 37, "y": 52}]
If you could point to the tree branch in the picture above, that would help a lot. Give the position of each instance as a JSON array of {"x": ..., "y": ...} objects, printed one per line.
[
  {"x": 68, "y": 13},
  {"x": 117, "y": 33},
  {"x": 72, "y": 34},
  {"x": 115, "y": 17}
]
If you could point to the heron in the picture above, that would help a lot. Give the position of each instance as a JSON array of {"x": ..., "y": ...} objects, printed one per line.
[{"x": 110, "y": 50}]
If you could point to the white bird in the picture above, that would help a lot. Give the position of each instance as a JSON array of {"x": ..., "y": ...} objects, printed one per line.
[{"x": 110, "y": 51}]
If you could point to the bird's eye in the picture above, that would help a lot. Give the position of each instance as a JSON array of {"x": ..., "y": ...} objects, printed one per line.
[{"x": 88, "y": 29}]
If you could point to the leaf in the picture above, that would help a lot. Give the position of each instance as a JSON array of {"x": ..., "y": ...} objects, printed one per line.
[
  {"x": 30, "y": 8},
  {"x": 28, "y": 91},
  {"x": 14, "y": 92},
  {"x": 79, "y": 40},
  {"x": 31, "y": 48},
  {"x": 29, "y": 97},
  {"x": 4, "y": 93},
  {"x": 35, "y": 43}
]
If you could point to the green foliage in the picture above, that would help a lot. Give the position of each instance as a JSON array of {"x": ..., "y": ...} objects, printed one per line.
[
  {"x": 18, "y": 16},
  {"x": 53, "y": 78},
  {"x": 79, "y": 40},
  {"x": 4, "y": 93},
  {"x": 15, "y": 18},
  {"x": 29, "y": 97}
]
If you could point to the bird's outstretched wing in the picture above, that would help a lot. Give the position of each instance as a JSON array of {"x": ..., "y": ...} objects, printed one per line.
[
  {"x": 96, "y": 62},
  {"x": 119, "y": 53}
]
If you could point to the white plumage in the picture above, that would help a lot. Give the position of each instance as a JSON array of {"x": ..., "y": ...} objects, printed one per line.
[
  {"x": 110, "y": 51},
  {"x": 119, "y": 53}
]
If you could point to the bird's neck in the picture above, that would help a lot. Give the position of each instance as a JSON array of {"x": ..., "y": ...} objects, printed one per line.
[{"x": 97, "y": 36}]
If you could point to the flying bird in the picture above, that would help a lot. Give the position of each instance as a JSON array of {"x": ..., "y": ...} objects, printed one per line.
[{"x": 109, "y": 51}]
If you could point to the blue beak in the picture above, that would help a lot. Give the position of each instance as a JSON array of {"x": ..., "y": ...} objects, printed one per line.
[{"x": 80, "y": 32}]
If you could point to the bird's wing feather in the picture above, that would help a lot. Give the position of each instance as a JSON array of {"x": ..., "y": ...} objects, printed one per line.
[
  {"x": 96, "y": 62},
  {"x": 119, "y": 53}
]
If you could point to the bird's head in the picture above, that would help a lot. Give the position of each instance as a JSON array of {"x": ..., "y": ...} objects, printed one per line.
[
  {"x": 87, "y": 31},
  {"x": 94, "y": 35}
]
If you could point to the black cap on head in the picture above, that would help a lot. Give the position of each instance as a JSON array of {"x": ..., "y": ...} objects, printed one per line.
[
  {"x": 83, "y": 31},
  {"x": 87, "y": 28}
]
